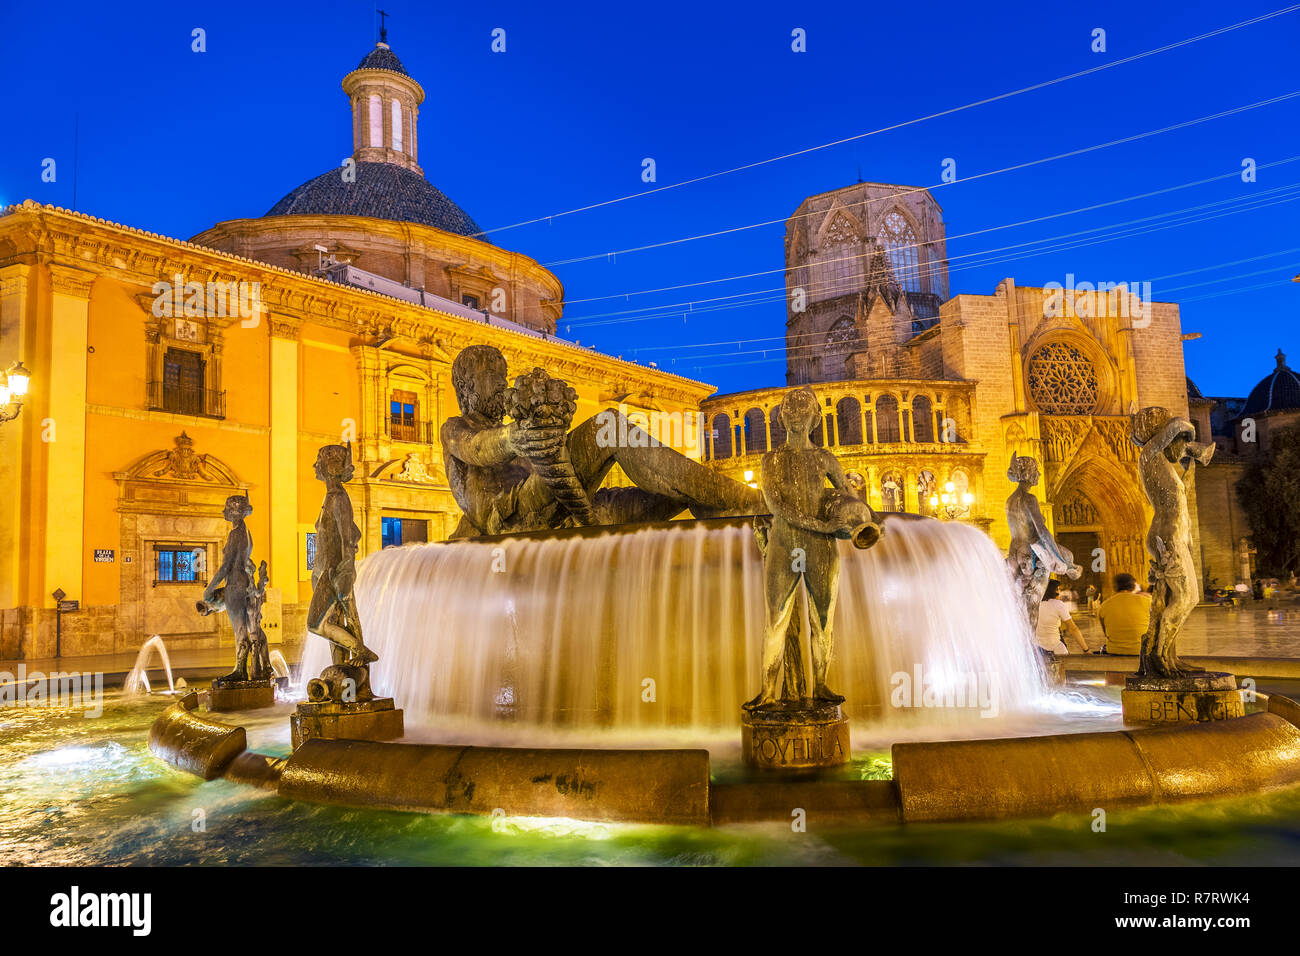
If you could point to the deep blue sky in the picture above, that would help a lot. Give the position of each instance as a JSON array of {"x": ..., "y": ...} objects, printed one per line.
[{"x": 173, "y": 141}]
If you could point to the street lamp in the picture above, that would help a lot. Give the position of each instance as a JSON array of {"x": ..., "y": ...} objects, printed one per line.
[
  {"x": 13, "y": 387},
  {"x": 953, "y": 504}
]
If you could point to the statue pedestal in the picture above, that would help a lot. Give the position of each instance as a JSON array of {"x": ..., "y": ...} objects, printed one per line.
[
  {"x": 334, "y": 720},
  {"x": 795, "y": 735},
  {"x": 241, "y": 695},
  {"x": 1195, "y": 698}
]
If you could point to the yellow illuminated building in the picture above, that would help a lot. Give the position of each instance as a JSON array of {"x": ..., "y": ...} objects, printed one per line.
[{"x": 167, "y": 375}]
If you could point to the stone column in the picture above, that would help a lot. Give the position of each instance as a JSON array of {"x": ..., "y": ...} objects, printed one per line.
[
  {"x": 64, "y": 393},
  {"x": 16, "y": 343}
]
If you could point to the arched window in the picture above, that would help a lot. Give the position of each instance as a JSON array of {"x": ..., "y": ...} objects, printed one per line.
[
  {"x": 755, "y": 434},
  {"x": 848, "y": 421},
  {"x": 375, "y": 116},
  {"x": 898, "y": 239},
  {"x": 836, "y": 268},
  {"x": 887, "y": 429},
  {"x": 922, "y": 419},
  {"x": 778, "y": 429},
  {"x": 721, "y": 436},
  {"x": 397, "y": 126}
]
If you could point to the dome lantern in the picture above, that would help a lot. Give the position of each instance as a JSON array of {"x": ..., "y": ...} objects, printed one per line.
[{"x": 385, "y": 109}]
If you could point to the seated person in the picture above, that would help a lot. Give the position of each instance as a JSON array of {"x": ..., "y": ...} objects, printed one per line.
[
  {"x": 1053, "y": 615},
  {"x": 1125, "y": 616}
]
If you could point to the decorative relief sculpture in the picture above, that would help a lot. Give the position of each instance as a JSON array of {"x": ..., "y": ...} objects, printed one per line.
[
  {"x": 1034, "y": 555},
  {"x": 181, "y": 462},
  {"x": 413, "y": 469}
]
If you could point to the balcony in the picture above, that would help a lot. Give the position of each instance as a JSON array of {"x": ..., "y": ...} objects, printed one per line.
[
  {"x": 415, "y": 432},
  {"x": 186, "y": 400}
]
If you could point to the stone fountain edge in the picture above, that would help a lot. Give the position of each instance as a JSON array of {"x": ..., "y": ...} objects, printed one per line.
[{"x": 940, "y": 781}]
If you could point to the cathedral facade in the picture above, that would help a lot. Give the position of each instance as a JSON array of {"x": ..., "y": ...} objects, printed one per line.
[{"x": 926, "y": 394}]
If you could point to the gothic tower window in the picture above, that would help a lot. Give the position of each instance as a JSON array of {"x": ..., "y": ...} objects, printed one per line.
[
  {"x": 836, "y": 269},
  {"x": 1062, "y": 380},
  {"x": 841, "y": 342},
  {"x": 898, "y": 239},
  {"x": 397, "y": 126}
]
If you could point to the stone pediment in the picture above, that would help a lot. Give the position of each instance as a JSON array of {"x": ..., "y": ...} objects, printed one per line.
[
  {"x": 182, "y": 463},
  {"x": 177, "y": 481}
]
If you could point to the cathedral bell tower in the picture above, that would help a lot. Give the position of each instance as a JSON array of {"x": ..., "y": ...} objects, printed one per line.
[{"x": 385, "y": 109}]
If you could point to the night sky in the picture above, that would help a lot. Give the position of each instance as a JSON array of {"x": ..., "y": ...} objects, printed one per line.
[{"x": 173, "y": 141}]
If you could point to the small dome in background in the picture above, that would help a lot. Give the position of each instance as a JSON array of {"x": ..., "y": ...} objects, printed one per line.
[{"x": 1278, "y": 390}]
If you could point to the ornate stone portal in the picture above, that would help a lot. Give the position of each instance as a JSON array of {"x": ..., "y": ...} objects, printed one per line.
[
  {"x": 340, "y": 703},
  {"x": 1165, "y": 688},
  {"x": 235, "y": 590},
  {"x": 781, "y": 728}
]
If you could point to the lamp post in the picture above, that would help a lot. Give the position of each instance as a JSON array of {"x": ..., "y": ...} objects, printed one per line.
[
  {"x": 13, "y": 387},
  {"x": 951, "y": 505}
]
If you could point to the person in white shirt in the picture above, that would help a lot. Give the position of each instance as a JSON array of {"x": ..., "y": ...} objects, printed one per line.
[{"x": 1053, "y": 615}]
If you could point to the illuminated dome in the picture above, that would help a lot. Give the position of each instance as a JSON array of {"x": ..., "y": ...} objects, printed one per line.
[{"x": 380, "y": 191}]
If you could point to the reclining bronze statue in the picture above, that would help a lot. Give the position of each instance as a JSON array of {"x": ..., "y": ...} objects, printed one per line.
[{"x": 535, "y": 474}]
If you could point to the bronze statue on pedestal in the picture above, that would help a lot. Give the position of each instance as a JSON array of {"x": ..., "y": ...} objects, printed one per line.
[
  {"x": 1034, "y": 555},
  {"x": 1168, "y": 453},
  {"x": 333, "y": 610},
  {"x": 801, "y": 544},
  {"x": 241, "y": 597}
]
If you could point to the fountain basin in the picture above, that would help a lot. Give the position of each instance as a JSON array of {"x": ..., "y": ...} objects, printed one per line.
[
  {"x": 629, "y": 786},
  {"x": 946, "y": 781}
]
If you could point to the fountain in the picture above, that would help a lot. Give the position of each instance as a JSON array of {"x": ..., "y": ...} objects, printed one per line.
[
  {"x": 137, "y": 682},
  {"x": 569, "y": 631},
  {"x": 568, "y": 628},
  {"x": 279, "y": 666}
]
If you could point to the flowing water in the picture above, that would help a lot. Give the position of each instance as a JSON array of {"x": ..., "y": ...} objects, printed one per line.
[
  {"x": 137, "y": 682},
  {"x": 661, "y": 628}
]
